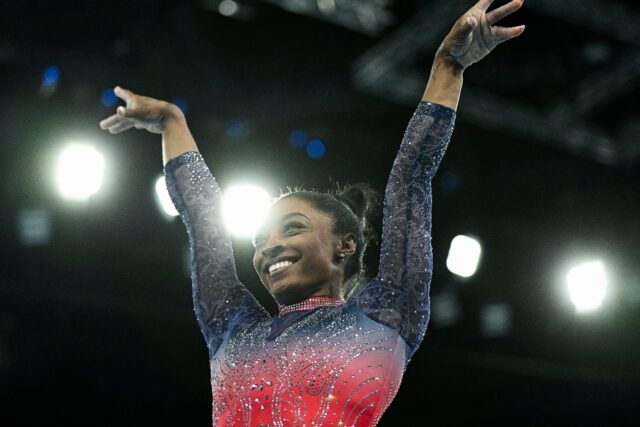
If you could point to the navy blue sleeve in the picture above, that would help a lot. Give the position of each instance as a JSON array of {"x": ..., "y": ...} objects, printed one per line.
[
  {"x": 220, "y": 300},
  {"x": 399, "y": 294}
]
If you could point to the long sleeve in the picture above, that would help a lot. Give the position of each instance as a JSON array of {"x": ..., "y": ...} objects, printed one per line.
[
  {"x": 399, "y": 294},
  {"x": 220, "y": 300}
]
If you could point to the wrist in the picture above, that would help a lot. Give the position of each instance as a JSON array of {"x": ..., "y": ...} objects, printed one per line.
[
  {"x": 173, "y": 118},
  {"x": 444, "y": 62}
]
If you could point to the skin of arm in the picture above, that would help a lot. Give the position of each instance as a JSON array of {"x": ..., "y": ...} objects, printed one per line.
[
  {"x": 445, "y": 82},
  {"x": 176, "y": 136}
]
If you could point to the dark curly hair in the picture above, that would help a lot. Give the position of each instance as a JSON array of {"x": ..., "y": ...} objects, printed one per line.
[{"x": 354, "y": 209}]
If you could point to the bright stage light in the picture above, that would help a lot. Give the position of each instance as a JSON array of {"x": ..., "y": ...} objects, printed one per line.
[
  {"x": 464, "y": 256},
  {"x": 228, "y": 7},
  {"x": 163, "y": 199},
  {"x": 244, "y": 208},
  {"x": 79, "y": 171},
  {"x": 587, "y": 286}
]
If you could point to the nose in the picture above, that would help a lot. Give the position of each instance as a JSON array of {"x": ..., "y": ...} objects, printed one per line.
[
  {"x": 271, "y": 251},
  {"x": 271, "y": 248}
]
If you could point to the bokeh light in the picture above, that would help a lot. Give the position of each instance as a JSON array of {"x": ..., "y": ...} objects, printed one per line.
[
  {"x": 227, "y": 7},
  {"x": 109, "y": 98},
  {"x": 587, "y": 285},
  {"x": 298, "y": 138},
  {"x": 244, "y": 209},
  {"x": 51, "y": 76},
  {"x": 79, "y": 171},
  {"x": 315, "y": 149},
  {"x": 464, "y": 256},
  {"x": 163, "y": 199},
  {"x": 234, "y": 128}
]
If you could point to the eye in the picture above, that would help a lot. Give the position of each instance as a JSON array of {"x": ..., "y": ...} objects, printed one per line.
[{"x": 292, "y": 226}]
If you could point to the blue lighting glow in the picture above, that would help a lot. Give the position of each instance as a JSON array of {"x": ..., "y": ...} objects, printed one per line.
[
  {"x": 51, "y": 75},
  {"x": 109, "y": 98},
  {"x": 234, "y": 128},
  {"x": 181, "y": 103},
  {"x": 315, "y": 149},
  {"x": 298, "y": 138}
]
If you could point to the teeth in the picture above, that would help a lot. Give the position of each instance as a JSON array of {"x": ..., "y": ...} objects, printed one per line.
[{"x": 278, "y": 265}]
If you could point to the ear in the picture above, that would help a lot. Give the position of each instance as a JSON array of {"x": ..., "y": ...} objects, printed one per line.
[{"x": 346, "y": 245}]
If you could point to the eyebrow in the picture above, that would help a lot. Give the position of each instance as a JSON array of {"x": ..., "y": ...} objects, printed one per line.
[{"x": 289, "y": 215}]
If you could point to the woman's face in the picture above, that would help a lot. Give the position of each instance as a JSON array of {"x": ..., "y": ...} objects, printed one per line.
[{"x": 299, "y": 241}]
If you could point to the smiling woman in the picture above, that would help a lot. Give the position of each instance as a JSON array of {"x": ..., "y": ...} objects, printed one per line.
[
  {"x": 325, "y": 235},
  {"x": 331, "y": 356}
]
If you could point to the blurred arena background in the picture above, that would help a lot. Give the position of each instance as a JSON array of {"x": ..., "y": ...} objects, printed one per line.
[{"x": 542, "y": 176}]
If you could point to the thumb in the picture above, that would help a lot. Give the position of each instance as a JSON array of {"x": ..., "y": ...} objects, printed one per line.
[
  {"x": 469, "y": 25},
  {"x": 463, "y": 30}
]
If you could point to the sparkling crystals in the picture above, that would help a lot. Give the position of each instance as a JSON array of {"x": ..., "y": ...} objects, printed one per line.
[{"x": 338, "y": 365}]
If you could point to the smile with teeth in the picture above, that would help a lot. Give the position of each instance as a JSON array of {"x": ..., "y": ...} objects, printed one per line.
[{"x": 279, "y": 265}]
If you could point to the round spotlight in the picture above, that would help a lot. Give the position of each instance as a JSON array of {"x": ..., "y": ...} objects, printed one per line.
[
  {"x": 227, "y": 7},
  {"x": 464, "y": 256},
  {"x": 163, "y": 199},
  {"x": 587, "y": 286},
  {"x": 79, "y": 171},
  {"x": 51, "y": 75},
  {"x": 315, "y": 149},
  {"x": 244, "y": 208},
  {"x": 109, "y": 98},
  {"x": 298, "y": 138}
]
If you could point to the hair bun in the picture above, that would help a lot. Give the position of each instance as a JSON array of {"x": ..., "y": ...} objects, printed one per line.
[{"x": 365, "y": 202}]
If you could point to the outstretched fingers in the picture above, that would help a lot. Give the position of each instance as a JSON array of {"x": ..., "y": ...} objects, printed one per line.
[
  {"x": 123, "y": 93},
  {"x": 116, "y": 123},
  {"x": 503, "y": 34},
  {"x": 122, "y": 126},
  {"x": 506, "y": 10},
  {"x": 483, "y": 5},
  {"x": 110, "y": 121}
]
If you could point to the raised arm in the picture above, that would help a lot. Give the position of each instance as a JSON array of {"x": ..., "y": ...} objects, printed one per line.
[
  {"x": 220, "y": 300},
  {"x": 399, "y": 294}
]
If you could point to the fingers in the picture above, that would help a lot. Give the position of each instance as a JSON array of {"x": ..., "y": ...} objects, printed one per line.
[
  {"x": 123, "y": 93},
  {"x": 122, "y": 126},
  {"x": 505, "y": 33},
  {"x": 110, "y": 121},
  {"x": 506, "y": 10},
  {"x": 483, "y": 5},
  {"x": 116, "y": 124}
]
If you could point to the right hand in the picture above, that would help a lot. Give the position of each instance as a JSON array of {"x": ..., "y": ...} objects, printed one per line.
[
  {"x": 141, "y": 112},
  {"x": 474, "y": 36}
]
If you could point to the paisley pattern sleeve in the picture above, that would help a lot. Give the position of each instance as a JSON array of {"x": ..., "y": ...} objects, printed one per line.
[
  {"x": 220, "y": 300},
  {"x": 398, "y": 296}
]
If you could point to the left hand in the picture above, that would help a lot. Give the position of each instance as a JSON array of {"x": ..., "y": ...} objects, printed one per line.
[{"x": 473, "y": 37}]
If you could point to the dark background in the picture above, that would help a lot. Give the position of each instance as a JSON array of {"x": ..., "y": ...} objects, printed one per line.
[{"x": 97, "y": 326}]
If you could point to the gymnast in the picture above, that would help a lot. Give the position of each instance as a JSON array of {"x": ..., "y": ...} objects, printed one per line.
[{"x": 336, "y": 352}]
